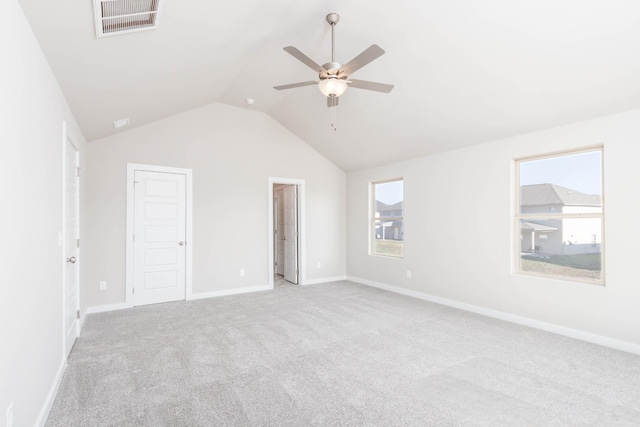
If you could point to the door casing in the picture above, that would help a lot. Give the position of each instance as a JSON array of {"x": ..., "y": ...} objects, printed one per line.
[{"x": 131, "y": 169}]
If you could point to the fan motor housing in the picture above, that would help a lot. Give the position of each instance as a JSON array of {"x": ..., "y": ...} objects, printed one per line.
[{"x": 332, "y": 69}]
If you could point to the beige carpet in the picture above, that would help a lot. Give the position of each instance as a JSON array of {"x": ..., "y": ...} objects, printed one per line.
[{"x": 336, "y": 354}]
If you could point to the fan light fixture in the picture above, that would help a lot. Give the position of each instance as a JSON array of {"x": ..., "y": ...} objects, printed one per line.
[{"x": 332, "y": 86}]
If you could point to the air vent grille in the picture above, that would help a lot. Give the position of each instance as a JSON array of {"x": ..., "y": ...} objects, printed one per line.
[{"x": 125, "y": 16}]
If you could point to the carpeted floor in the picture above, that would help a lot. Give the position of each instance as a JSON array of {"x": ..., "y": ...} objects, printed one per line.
[{"x": 336, "y": 354}]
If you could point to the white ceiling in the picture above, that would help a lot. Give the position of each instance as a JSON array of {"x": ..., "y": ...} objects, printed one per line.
[{"x": 465, "y": 71}]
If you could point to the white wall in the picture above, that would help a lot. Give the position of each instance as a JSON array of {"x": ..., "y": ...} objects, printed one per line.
[
  {"x": 232, "y": 152},
  {"x": 458, "y": 230},
  {"x": 32, "y": 110}
]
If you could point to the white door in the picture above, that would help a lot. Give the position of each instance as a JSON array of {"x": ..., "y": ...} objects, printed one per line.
[
  {"x": 159, "y": 244},
  {"x": 290, "y": 195},
  {"x": 71, "y": 243},
  {"x": 279, "y": 233}
]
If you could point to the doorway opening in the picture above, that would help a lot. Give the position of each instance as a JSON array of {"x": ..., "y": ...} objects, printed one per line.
[{"x": 286, "y": 231}]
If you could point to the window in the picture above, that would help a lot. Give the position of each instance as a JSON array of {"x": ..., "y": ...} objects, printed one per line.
[
  {"x": 387, "y": 225},
  {"x": 560, "y": 215}
]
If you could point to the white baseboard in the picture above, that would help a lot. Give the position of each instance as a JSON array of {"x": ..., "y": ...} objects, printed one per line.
[
  {"x": 51, "y": 396},
  {"x": 324, "y": 280},
  {"x": 196, "y": 296},
  {"x": 226, "y": 292},
  {"x": 549, "y": 327},
  {"x": 105, "y": 308}
]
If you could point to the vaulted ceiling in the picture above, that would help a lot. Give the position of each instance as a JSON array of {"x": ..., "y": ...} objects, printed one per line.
[{"x": 465, "y": 71}]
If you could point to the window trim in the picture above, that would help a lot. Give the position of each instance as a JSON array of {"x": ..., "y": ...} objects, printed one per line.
[
  {"x": 372, "y": 217},
  {"x": 517, "y": 216}
]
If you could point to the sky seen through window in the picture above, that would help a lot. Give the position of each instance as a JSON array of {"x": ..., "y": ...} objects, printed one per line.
[{"x": 581, "y": 172}]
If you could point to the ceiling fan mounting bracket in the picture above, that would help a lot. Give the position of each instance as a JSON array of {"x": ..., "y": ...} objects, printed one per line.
[{"x": 333, "y": 18}]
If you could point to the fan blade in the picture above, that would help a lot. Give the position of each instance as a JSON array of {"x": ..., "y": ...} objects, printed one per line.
[
  {"x": 332, "y": 101},
  {"x": 372, "y": 52},
  {"x": 378, "y": 87},
  {"x": 304, "y": 59},
  {"x": 292, "y": 85}
]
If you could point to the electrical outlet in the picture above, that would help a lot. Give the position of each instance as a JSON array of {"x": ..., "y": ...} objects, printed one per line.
[
  {"x": 408, "y": 274},
  {"x": 319, "y": 264},
  {"x": 242, "y": 272},
  {"x": 10, "y": 415},
  {"x": 103, "y": 285}
]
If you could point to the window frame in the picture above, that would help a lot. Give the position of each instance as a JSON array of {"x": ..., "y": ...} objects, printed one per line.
[
  {"x": 373, "y": 218},
  {"x": 518, "y": 216}
]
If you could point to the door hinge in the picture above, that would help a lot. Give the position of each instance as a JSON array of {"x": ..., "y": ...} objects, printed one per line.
[
  {"x": 133, "y": 291},
  {"x": 77, "y": 243},
  {"x": 78, "y": 314},
  {"x": 134, "y": 237},
  {"x": 78, "y": 169}
]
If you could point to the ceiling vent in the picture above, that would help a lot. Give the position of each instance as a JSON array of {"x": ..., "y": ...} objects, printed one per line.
[{"x": 125, "y": 16}]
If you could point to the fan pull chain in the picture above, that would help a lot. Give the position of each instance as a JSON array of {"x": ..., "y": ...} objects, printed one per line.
[
  {"x": 334, "y": 125},
  {"x": 334, "y": 116}
]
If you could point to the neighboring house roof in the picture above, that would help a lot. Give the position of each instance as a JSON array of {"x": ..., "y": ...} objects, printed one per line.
[
  {"x": 553, "y": 194},
  {"x": 390, "y": 224},
  {"x": 532, "y": 226},
  {"x": 380, "y": 206}
]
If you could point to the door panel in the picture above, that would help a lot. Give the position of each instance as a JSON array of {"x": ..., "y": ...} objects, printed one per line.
[
  {"x": 160, "y": 256},
  {"x": 72, "y": 234},
  {"x": 161, "y": 210},
  {"x": 290, "y": 194},
  {"x": 161, "y": 233},
  {"x": 279, "y": 238},
  {"x": 161, "y": 187},
  {"x": 159, "y": 237},
  {"x": 160, "y": 279}
]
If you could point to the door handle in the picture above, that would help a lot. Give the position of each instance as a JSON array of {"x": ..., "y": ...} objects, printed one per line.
[
  {"x": 71, "y": 260},
  {"x": 284, "y": 237},
  {"x": 181, "y": 243}
]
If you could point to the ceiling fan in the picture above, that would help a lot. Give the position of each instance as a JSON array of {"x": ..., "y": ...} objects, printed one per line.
[{"x": 334, "y": 76}]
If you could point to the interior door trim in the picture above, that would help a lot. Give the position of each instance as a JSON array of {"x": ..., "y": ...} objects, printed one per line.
[
  {"x": 131, "y": 169},
  {"x": 302, "y": 269}
]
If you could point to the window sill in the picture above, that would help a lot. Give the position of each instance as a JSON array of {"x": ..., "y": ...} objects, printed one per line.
[{"x": 559, "y": 278}]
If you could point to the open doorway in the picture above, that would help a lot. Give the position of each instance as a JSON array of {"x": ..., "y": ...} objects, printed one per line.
[{"x": 285, "y": 231}]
